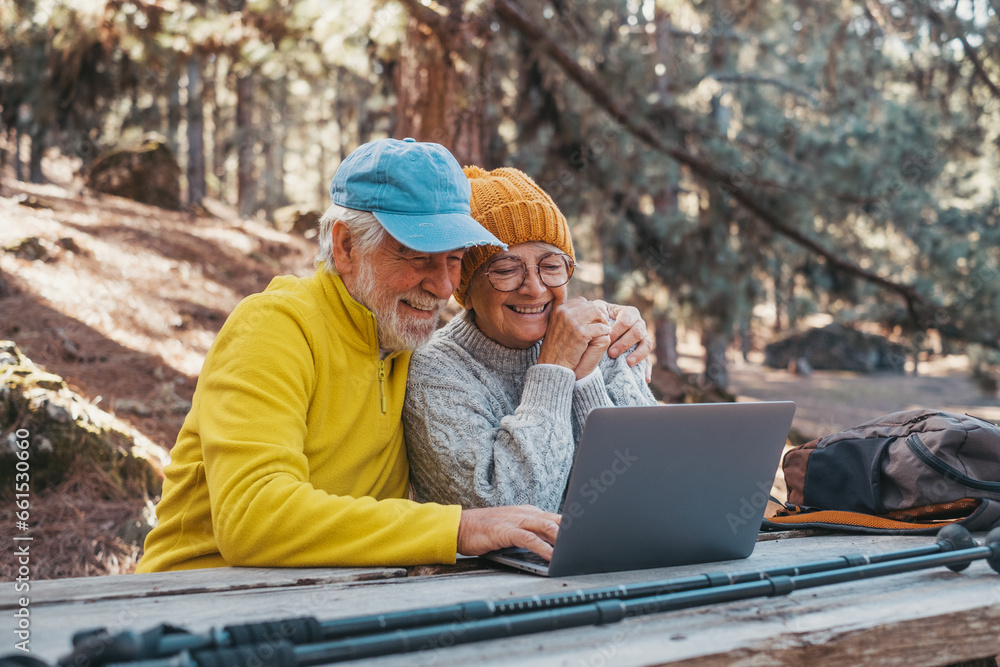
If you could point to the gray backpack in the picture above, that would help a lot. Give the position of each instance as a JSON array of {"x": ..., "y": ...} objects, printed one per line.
[{"x": 906, "y": 472}]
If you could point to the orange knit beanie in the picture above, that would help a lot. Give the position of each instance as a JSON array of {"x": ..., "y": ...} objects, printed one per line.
[{"x": 514, "y": 209}]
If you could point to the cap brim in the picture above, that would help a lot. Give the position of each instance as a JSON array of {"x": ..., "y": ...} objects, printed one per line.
[{"x": 440, "y": 232}]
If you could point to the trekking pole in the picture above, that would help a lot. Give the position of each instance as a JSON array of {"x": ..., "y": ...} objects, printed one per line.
[
  {"x": 97, "y": 647},
  {"x": 606, "y": 612},
  {"x": 477, "y": 621},
  {"x": 950, "y": 538}
]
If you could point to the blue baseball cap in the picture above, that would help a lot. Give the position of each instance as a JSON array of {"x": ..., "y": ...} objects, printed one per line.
[{"x": 417, "y": 190}]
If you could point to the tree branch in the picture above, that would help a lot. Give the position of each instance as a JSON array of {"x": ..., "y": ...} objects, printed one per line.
[
  {"x": 743, "y": 78},
  {"x": 970, "y": 52},
  {"x": 857, "y": 200},
  {"x": 442, "y": 25},
  {"x": 514, "y": 16}
]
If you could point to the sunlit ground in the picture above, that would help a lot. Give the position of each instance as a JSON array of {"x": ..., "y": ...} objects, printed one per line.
[{"x": 830, "y": 401}]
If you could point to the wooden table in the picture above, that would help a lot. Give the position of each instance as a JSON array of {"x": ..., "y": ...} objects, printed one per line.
[{"x": 930, "y": 617}]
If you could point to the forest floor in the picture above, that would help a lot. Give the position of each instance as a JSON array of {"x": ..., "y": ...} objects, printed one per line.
[
  {"x": 127, "y": 299},
  {"x": 122, "y": 300},
  {"x": 831, "y": 401}
]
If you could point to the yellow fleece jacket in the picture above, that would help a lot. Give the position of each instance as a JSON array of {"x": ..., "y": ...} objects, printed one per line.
[{"x": 293, "y": 454}]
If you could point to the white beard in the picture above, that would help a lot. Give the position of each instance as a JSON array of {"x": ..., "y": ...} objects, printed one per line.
[{"x": 395, "y": 332}]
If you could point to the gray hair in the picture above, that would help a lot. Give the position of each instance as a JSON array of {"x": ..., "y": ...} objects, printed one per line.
[{"x": 366, "y": 233}]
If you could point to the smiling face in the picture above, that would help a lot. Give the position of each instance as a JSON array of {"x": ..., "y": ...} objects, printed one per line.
[
  {"x": 406, "y": 290},
  {"x": 517, "y": 319}
]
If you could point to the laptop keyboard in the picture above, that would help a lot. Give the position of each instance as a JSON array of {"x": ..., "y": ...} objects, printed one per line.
[
  {"x": 526, "y": 556},
  {"x": 531, "y": 557}
]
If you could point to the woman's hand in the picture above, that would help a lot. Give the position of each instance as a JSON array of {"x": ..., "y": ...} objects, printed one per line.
[
  {"x": 578, "y": 335},
  {"x": 629, "y": 329}
]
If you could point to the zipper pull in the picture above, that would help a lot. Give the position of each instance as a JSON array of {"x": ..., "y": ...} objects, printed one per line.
[{"x": 381, "y": 385}]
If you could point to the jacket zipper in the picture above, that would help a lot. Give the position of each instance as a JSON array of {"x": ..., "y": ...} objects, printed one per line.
[
  {"x": 383, "y": 401},
  {"x": 381, "y": 385},
  {"x": 920, "y": 450}
]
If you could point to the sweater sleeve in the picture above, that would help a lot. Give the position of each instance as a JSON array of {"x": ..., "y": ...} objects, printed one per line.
[
  {"x": 617, "y": 384},
  {"x": 464, "y": 448},
  {"x": 265, "y": 511}
]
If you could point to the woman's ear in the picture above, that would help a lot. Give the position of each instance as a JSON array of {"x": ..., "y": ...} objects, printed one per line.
[{"x": 343, "y": 245}]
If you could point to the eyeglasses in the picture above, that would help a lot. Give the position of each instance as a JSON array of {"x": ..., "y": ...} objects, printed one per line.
[{"x": 507, "y": 274}]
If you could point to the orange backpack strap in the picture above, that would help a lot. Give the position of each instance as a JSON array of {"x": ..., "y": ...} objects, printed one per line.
[{"x": 973, "y": 513}]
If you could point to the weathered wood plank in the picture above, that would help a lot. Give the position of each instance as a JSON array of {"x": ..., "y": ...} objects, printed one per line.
[
  {"x": 193, "y": 581},
  {"x": 924, "y": 618},
  {"x": 931, "y": 617}
]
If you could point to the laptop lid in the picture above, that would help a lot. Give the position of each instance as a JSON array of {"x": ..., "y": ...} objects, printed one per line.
[{"x": 666, "y": 485}]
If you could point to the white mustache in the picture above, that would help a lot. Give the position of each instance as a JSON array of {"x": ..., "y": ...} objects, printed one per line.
[{"x": 423, "y": 302}]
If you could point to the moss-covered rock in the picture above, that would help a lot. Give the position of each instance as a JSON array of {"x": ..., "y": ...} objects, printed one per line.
[
  {"x": 837, "y": 347},
  {"x": 31, "y": 248},
  {"x": 66, "y": 432},
  {"x": 671, "y": 386},
  {"x": 148, "y": 173},
  {"x": 296, "y": 219}
]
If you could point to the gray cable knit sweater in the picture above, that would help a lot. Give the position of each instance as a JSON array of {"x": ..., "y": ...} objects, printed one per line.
[{"x": 486, "y": 425}]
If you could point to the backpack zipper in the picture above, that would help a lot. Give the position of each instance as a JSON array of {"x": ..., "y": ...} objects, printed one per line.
[
  {"x": 982, "y": 419},
  {"x": 920, "y": 450},
  {"x": 914, "y": 420}
]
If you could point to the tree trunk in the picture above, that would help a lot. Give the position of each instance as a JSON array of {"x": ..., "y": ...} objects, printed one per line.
[
  {"x": 436, "y": 102},
  {"x": 341, "y": 120},
  {"x": 134, "y": 116},
  {"x": 746, "y": 339},
  {"x": 219, "y": 132},
  {"x": 5, "y": 133},
  {"x": 37, "y": 151},
  {"x": 323, "y": 186},
  {"x": 195, "y": 131},
  {"x": 666, "y": 343},
  {"x": 174, "y": 106},
  {"x": 365, "y": 119},
  {"x": 245, "y": 147},
  {"x": 716, "y": 368},
  {"x": 272, "y": 140},
  {"x": 279, "y": 195},
  {"x": 18, "y": 162}
]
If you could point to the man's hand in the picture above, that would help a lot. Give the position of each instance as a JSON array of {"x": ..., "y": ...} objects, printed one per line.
[
  {"x": 629, "y": 329},
  {"x": 489, "y": 528},
  {"x": 577, "y": 336}
]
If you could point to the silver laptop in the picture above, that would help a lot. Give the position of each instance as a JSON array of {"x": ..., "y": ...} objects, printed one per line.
[{"x": 665, "y": 485}]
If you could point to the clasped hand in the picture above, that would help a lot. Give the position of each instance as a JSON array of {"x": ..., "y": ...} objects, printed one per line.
[
  {"x": 581, "y": 331},
  {"x": 579, "y": 334}
]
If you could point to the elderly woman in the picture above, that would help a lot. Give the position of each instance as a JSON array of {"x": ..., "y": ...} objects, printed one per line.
[{"x": 496, "y": 401}]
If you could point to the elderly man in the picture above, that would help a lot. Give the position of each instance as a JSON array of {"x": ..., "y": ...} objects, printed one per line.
[{"x": 292, "y": 454}]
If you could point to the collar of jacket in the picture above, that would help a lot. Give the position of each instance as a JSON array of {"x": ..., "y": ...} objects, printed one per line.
[{"x": 351, "y": 314}]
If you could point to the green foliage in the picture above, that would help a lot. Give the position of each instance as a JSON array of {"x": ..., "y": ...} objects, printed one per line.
[
  {"x": 869, "y": 135},
  {"x": 804, "y": 156}
]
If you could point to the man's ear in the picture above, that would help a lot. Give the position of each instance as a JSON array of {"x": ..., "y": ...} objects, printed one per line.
[{"x": 343, "y": 246}]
